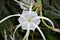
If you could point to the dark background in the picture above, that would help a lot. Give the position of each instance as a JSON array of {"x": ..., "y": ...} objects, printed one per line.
[{"x": 51, "y": 9}]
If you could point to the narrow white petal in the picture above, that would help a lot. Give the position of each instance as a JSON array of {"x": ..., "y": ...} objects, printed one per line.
[
  {"x": 41, "y": 17},
  {"x": 9, "y": 17},
  {"x": 17, "y": 1},
  {"x": 28, "y": 1},
  {"x": 5, "y": 34},
  {"x": 22, "y": 6},
  {"x": 31, "y": 5},
  {"x": 27, "y": 33},
  {"x": 11, "y": 37},
  {"x": 15, "y": 31},
  {"x": 40, "y": 32}
]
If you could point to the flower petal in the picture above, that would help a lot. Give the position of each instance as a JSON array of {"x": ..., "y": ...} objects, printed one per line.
[
  {"x": 27, "y": 34},
  {"x": 5, "y": 34},
  {"x": 40, "y": 32},
  {"x": 13, "y": 38},
  {"x": 17, "y": 1},
  {"x": 28, "y": 1},
  {"x": 9, "y": 17},
  {"x": 22, "y": 6},
  {"x": 41, "y": 17}
]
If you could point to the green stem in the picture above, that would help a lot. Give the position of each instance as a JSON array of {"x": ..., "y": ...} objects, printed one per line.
[
  {"x": 53, "y": 29},
  {"x": 43, "y": 20}
]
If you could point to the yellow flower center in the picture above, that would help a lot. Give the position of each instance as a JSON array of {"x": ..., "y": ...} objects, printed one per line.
[{"x": 29, "y": 20}]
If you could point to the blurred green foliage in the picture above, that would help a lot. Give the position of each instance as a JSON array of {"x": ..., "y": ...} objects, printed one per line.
[{"x": 51, "y": 9}]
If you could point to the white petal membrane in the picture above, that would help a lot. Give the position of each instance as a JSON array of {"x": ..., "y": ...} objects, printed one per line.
[
  {"x": 32, "y": 26},
  {"x": 28, "y": 15},
  {"x": 22, "y": 19},
  {"x": 25, "y": 26},
  {"x": 36, "y": 21}
]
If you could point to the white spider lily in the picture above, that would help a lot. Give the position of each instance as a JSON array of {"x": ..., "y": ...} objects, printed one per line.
[
  {"x": 22, "y": 5},
  {"x": 29, "y": 20}
]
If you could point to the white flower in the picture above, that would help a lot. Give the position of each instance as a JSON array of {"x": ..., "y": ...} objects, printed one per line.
[
  {"x": 29, "y": 20},
  {"x": 22, "y": 5}
]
